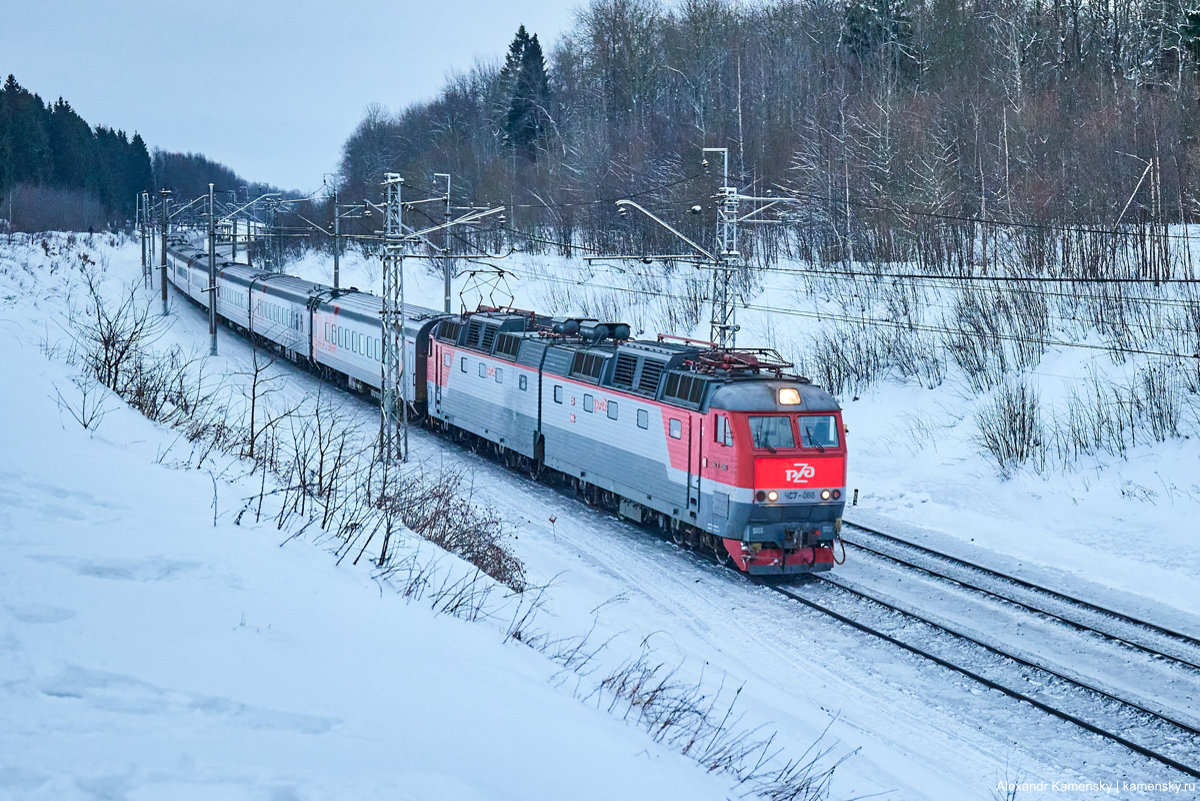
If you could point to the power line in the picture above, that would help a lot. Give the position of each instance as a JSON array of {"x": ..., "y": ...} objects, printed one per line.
[
  {"x": 599, "y": 201},
  {"x": 883, "y": 323},
  {"x": 910, "y": 276},
  {"x": 1065, "y": 321}
]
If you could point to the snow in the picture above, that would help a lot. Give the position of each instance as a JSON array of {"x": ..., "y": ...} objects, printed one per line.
[
  {"x": 149, "y": 654},
  {"x": 152, "y": 654}
]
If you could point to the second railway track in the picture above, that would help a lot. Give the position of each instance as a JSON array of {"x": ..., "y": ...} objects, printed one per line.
[
  {"x": 1138, "y": 634},
  {"x": 1153, "y": 734}
]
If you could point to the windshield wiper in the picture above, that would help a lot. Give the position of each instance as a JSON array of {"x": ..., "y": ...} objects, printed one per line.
[{"x": 813, "y": 439}]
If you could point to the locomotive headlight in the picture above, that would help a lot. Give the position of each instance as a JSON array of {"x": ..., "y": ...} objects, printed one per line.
[
  {"x": 789, "y": 396},
  {"x": 772, "y": 496},
  {"x": 825, "y": 495}
]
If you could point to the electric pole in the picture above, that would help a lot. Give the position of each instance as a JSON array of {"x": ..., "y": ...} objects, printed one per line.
[
  {"x": 337, "y": 233},
  {"x": 446, "y": 264},
  {"x": 234, "y": 226},
  {"x": 212, "y": 271},
  {"x": 394, "y": 397},
  {"x": 723, "y": 331},
  {"x": 166, "y": 223},
  {"x": 143, "y": 211},
  {"x": 728, "y": 259}
]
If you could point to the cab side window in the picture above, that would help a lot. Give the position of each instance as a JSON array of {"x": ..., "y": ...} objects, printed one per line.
[{"x": 723, "y": 433}]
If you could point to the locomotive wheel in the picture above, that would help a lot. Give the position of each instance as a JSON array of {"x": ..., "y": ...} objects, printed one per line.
[
  {"x": 679, "y": 536},
  {"x": 720, "y": 554}
]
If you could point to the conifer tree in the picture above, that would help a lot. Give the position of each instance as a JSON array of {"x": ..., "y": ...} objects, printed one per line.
[
  {"x": 527, "y": 89},
  {"x": 72, "y": 147}
]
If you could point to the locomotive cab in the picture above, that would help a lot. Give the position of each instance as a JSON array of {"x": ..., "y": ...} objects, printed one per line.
[{"x": 790, "y": 455}]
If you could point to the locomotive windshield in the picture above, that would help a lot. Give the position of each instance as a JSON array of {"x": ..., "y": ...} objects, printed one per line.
[
  {"x": 818, "y": 432},
  {"x": 772, "y": 433}
]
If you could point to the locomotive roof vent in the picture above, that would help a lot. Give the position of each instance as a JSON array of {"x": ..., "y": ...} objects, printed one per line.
[
  {"x": 589, "y": 329},
  {"x": 566, "y": 326},
  {"x": 598, "y": 332}
]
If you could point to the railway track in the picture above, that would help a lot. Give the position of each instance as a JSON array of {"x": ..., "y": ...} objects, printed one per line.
[
  {"x": 1131, "y": 632},
  {"x": 1144, "y": 731},
  {"x": 1152, "y": 733}
]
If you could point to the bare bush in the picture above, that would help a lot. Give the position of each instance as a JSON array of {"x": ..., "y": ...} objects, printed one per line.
[
  {"x": 1109, "y": 417},
  {"x": 975, "y": 342},
  {"x": 706, "y": 726},
  {"x": 112, "y": 338},
  {"x": 1010, "y": 428},
  {"x": 87, "y": 405}
]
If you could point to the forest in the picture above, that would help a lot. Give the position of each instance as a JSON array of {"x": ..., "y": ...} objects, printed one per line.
[
  {"x": 899, "y": 130},
  {"x": 59, "y": 173}
]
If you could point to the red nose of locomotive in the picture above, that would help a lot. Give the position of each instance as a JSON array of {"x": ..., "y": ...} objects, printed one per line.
[{"x": 806, "y": 478}]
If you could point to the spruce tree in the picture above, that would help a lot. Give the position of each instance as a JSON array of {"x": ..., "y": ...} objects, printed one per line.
[
  {"x": 526, "y": 86},
  {"x": 23, "y": 123},
  {"x": 72, "y": 147}
]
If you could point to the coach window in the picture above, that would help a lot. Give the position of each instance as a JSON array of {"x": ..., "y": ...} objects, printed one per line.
[
  {"x": 643, "y": 418},
  {"x": 499, "y": 375},
  {"x": 558, "y": 393},
  {"x": 482, "y": 370},
  {"x": 588, "y": 403},
  {"x": 612, "y": 410},
  {"x": 523, "y": 382},
  {"x": 462, "y": 363},
  {"x": 676, "y": 429}
]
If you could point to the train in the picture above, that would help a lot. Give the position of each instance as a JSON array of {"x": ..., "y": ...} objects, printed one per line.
[{"x": 719, "y": 449}]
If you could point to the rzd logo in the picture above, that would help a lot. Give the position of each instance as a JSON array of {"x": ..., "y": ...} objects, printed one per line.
[{"x": 800, "y": 474}]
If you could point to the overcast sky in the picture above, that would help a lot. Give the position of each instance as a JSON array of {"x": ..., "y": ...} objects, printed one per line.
[{"x": 269, "y": 88}]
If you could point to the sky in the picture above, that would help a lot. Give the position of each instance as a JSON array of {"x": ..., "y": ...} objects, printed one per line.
[{"x": 268, "y": 88}]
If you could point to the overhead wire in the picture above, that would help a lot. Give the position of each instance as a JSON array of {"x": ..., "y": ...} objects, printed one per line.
[
  {"x": 936, "y": 280},
  {"x": 865, "y": 320},
  {"x": 1071, "y": 320}
]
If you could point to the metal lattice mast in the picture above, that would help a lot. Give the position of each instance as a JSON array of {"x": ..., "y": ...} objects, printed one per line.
[
  {"x": 212, "y": 271},
  {"x": 164, "y": 233},
  {"x": 394, "y": 397},
  {"x": 141, "y": 218},
  {"x": 723, "y": 330}
]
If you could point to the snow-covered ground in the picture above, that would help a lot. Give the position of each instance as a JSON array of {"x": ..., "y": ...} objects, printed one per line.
[{"x": 151, "y": 654}]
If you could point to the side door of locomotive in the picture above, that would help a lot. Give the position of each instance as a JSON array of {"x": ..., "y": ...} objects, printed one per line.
[
  {"x": 695, "y": 426},
  {"x": 441, "y": 374}
]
